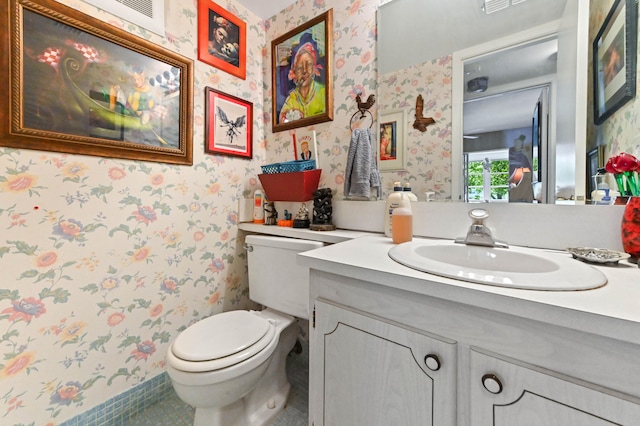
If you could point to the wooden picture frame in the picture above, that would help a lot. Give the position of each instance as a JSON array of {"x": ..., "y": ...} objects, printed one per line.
[
  {"x": 222, "y": 39},
  {"x": 311, "y": 45},
  {"x": 614, "y": 60},
  {"x": 81, "y": 86},
  {"x": 392, "y": 137},
  {"x": 229, "y": 124}
]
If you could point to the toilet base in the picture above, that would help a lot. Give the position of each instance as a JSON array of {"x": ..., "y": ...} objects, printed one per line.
[
  {"x": 264, "y": 402},
  {"x": 236, "y": 414}
]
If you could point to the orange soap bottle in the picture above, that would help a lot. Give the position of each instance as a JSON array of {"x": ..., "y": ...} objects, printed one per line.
[{"x": 402, "y": 222}]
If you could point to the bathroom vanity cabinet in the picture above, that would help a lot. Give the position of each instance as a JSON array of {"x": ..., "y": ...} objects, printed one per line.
[
  {"x": 378, "y": 372},
  {"x": 388, "y": 348}
]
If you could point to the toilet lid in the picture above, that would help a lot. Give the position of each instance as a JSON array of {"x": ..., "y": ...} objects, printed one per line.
[{"x": 221, "y": 336}]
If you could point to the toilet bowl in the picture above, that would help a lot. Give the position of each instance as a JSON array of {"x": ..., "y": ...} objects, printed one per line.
[
  {"x": 246, "y": 387},
  {"x": 232, "y": 366}
]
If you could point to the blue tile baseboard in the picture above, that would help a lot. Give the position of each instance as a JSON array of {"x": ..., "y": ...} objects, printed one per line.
[
  {"x": 121, "y": 408},
  {"x": 155, "y": 403}
]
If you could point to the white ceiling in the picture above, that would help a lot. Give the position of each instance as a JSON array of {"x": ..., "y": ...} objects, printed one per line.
[
  {"x": 416, "y": 31},
  {"x": 507, "y": 70},
  {"x": 265, "y": 9}
]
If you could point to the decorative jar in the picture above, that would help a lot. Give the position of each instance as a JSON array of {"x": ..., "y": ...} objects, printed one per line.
[{"x": 631, "y": 228}]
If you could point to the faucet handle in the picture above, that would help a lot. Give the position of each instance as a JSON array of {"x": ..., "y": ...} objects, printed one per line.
[{"x": 478, "y": 215}]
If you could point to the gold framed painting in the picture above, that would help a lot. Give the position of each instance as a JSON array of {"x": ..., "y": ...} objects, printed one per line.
[
  {"x": 302, "y": 75},
  {"x": 81, "y": 86}
]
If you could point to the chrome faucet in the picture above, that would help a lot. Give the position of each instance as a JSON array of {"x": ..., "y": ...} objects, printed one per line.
[{"x": 479, "y": 234}]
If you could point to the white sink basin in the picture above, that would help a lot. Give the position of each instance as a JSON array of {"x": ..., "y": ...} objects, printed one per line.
[{"x": 514, "y": 267}]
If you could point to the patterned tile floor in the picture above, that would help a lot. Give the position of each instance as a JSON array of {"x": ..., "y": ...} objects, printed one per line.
[{"x": 173, "y": 412}]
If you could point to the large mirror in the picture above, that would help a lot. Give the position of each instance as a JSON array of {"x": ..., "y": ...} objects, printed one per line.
[{"x": 506, "y": 84}]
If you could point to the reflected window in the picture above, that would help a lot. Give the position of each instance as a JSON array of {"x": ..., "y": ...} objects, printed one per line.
[{"x": 488, "y": 171}]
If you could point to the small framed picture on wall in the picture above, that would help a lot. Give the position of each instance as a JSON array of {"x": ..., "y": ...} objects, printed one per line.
[
  {"x": 305, "y": 146},
  {"x": 228, "y": 125},
  {"x": 392, "y": 140},
  {"x": 222, "y": 39}
]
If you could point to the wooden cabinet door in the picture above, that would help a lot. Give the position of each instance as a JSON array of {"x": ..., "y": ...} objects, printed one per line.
[
  {"x": 505, "y": 393},
  {"x": 377, "y": 373}
]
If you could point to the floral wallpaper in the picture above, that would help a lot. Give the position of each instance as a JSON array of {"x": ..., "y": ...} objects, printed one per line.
[
  {"x": 428, "y": 154},
  {"x": 620, "y": 132},
  {"x": 104, "y": 261}
]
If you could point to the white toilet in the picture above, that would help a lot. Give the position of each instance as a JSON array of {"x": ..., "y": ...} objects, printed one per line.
[{"x": 231, "y": 366}]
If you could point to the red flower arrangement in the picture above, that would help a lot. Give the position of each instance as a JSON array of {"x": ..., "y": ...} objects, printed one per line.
[{"x": 625, "y": 168}]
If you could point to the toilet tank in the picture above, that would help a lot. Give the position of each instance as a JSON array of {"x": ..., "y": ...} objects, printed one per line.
[{"x": 275, "y": 279}]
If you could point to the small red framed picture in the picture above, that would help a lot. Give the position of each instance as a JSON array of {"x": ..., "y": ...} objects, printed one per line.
[
  {"x": 229, "y": 124},
  {"x": 222, "y": 39}
]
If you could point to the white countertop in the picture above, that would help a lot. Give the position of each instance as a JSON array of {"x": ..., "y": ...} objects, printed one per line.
[
  {"x": 332, "y": 237},
  {"x": 611, "y": 311}
]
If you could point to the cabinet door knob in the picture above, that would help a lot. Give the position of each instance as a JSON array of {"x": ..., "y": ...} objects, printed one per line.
[
  {"x": 432, "y": 362},
  {"x": 492, "y": 383}
]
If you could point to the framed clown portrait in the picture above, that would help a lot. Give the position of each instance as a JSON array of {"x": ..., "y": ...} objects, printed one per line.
[
  {"x": 302, "y": 75},
  {"x": 78, "y": 85}
]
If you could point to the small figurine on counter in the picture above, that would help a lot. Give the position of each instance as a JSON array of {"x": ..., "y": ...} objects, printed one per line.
[
  {"x": 271, "y": 214},
  {"x": 287, "y": 220},
  {"x": 322, "y": 210},
  {"x": 302, "y": 218}
]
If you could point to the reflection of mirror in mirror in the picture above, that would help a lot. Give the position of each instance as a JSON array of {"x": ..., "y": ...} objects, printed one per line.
[
  {"x": 505, "y": 122},
  {"x": 410, "y": 65}
]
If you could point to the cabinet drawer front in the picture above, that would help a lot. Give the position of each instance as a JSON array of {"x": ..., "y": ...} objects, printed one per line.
[
  {"x": 507, "y": 393},
  {"x": 379, "y": 373}
]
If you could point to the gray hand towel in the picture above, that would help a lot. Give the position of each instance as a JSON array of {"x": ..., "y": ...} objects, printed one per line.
[{"x": 362, "y": 170}]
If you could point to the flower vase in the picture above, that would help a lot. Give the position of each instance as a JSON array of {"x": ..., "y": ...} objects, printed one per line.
[
  {"x": 631, "y": 228},
  {"x": 621, "y": 200}
]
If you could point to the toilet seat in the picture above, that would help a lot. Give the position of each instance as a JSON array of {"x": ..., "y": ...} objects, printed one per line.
[{"x": 221, "y": 341}]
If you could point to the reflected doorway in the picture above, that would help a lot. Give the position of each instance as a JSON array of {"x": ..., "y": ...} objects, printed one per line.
[
  {"x": 507, "y": 116},
  {"x": 508, "y": 162}
]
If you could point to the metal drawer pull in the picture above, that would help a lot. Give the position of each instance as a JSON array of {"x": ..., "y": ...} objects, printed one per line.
[
  {"x": 491, "y": 383},
  {"x": 432, "y": 362}
]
